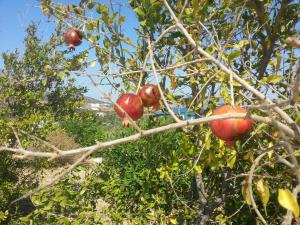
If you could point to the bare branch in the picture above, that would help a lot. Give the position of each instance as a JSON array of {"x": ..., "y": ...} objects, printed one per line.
[
  {"x": 284, "y": 128},
  {"x": 250, "y": 179},
  {"x": 57, "y": 178},
  {"x": 42, "y": 141},
  {"x": 158, "y": 85},
  {"x": 296, "y": 87},
  {"x": 18, "y": 139}
]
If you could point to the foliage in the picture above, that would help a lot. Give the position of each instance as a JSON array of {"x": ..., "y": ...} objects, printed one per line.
[
  {"x": 86, "y": 127},
  {"x": 36, "y": 82},
  {"x": 35, "y": 95},
  {"x": 141, "y": 182},
  {"x": 184, "y": 175}
]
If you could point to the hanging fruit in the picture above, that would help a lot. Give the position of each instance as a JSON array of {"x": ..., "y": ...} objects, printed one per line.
[
  {"x": 150, "y": 96},
  {"x": 230, "y": 130},
  {"x": 73, "y": 38},
  {"x": 132, "y": 105}
]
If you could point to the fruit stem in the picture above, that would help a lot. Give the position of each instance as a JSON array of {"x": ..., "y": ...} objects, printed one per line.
[{"x": 231, "y": 89}]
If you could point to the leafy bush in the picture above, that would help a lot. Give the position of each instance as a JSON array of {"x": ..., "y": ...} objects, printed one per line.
[
  {"x": 86, "y": 127},
  {"x": 136, "y": 180}
]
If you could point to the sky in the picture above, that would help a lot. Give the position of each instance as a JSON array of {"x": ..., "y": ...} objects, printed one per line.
[{"x": 16, "y": 15}]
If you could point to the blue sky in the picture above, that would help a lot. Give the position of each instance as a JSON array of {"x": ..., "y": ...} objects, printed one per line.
[{"x": 16, "y": 15}]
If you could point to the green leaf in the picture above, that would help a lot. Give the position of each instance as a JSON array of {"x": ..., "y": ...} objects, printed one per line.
[
  {"x": 298, "y": 119},
  {"x": 173, "y": 221},
  {"x": 122, "y": 19},
  {"x": 241, "y": 44},
  {"x": 139, "y": 12},
  {"x": 143, "y": 23},
  {"x": 278, "y": 60},
  {"x": 231, "y": 160},
  {"x": 225, "y": 93},
  {"x": 44, "y": 82},
  {"x": 78, "y": 10},
  {"x": 208, "y": 140},
  {"x": 198, "y": 169},
  {"x": 90, "y": 25},
  {"x": 274, "y": 79},
  {"x": 287, "y": 200},
  {"x": 61, "y": 75},
  {"x": 95, "y": 38},
  {"x": 101, "y": 9},
  {"x": 234, "y": 55},
  {"x": 3, "y": 215},
  {"x": 91, "y": 5}
]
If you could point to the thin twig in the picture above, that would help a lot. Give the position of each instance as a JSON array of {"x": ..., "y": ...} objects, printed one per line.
[
  {"x": 296, "y": 88},
  {"x": 250, "y": 179},
  {"x": 158, "y": 85},
  {"x": 42, "y": 141},
  {"x": 18, "y": 139},
  {"x": 143, "y": 70}
]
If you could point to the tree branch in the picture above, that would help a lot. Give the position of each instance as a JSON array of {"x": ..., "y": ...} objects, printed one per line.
[{"x": 225, "y": 69}]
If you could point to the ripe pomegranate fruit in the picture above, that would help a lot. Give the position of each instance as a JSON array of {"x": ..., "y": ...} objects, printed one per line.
[
  {"x": 150, "y": 96},
  {"x": 73, "y": 38},
  {"x": 230, "y": 130},
  {"x": 132, "y": 105}
]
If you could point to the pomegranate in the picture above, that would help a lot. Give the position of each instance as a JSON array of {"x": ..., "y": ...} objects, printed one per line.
[
  {"x": 73, "y": 38},
  {"x": 150, "y": 96},
  {"x": 230, "y": 130},
  {"x": 132, "y": 105}
]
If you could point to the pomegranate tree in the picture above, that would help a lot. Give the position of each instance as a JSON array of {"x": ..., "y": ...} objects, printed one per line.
[
  {"x": 150, "y": 96},
  {"x": 230, "y": 130},
  {"x": 132, "y": 105},
  {"x": 73, "y": 38}
]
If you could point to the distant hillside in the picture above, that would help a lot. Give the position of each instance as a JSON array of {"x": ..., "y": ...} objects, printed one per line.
[{"x": 100, "y": 107}]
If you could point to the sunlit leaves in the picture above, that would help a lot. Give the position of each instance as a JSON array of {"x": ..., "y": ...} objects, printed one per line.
[
  {"x": 121, "y": 20},
  {"x": 234, "y": 54},
  {"x": 274, "y": 79},
  {"x": 225, "y": 93},
  {"x": 103, "y": 10},
  {"x": 287, "y": 200},
  {"x": 232, "y": 159},
  {"x": 3, "y": 215}
]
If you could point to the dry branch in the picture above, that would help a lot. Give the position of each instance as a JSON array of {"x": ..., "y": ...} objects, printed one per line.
[{"x": 284, "y": 128}]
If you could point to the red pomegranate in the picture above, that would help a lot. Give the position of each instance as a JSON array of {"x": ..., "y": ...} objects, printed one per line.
[
  {"x": 150, "y": 96},
  {"x": 132, "y": 105},
  {"x": 230, "y": 130},
  {"x": 73, "y": 38}
]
